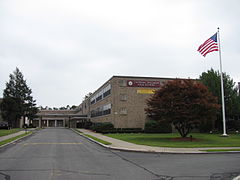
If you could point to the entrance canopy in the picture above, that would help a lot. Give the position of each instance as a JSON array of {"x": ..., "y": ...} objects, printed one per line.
[{"x": 59, "y": 118}]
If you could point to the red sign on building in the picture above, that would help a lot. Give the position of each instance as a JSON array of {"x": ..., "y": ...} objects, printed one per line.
[{"x": 140, "y": 83}]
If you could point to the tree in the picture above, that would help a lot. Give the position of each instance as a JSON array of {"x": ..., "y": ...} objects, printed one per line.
[
  {"x": 184, "y": 103},
  {"x": 73, "y": 107},
  {"x": 212, "y": 80},
  {"x": 17, "y": 100},
  {"x": 11, "y": 111}
]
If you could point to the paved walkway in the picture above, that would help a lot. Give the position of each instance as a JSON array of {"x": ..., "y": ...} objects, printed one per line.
[
  {"x": 123, "y": 145},
  {"x": 2, "y": 138}
]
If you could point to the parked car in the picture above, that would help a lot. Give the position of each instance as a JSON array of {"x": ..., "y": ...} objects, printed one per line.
[{"x": 4, "y": 125}]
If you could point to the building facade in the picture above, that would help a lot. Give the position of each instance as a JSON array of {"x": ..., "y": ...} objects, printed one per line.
[
  {"x": 121, "y": 101},
  {"x": 58, "y": 118}
]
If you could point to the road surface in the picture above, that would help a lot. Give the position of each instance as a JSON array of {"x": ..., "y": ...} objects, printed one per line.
[{"x": 61, "y": 154}]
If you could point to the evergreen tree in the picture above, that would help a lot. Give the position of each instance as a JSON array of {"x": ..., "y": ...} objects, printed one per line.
[
  {"x": 17, "y": 100},
  {"x": 212, "y": 80}
]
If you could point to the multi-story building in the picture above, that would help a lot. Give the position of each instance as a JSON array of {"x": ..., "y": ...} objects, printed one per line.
[{"x": 121, "y": 100}]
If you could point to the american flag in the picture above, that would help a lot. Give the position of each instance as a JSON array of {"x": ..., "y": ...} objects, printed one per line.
[{"x": 209, "y": 45}]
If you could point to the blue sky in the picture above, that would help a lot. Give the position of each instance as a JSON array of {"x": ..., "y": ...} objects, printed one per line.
[{"x": 66, "y": 49}]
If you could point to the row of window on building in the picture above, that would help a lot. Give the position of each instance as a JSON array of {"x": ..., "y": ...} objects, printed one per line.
[
  {"x": 101, "y": 111},
  {"x": 104, "y": 92}
]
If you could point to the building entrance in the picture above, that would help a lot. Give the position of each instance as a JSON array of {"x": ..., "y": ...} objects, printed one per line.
[
  {"x": 55, "y": 123},
  {"x": 51, "y": 123},
  {"x": 59, "y": 123}
]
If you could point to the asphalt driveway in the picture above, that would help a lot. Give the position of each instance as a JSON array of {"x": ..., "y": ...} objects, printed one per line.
[{"x": 59, "y": 153}]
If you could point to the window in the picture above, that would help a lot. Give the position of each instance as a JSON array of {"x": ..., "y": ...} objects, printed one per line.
[
  {"x": 101, "y": 94},
  {"x": 123, "y": 110},
  {"x": 122, "y": 83},
  {"x": 100, "y": 111},
  {"x": 106, "y": 93},
  {"x": 99, "y": 98},
  {"x": 123, "y": 97}
]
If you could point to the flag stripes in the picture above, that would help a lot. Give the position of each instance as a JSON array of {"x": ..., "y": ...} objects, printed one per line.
[{"x": 209, "y": 45}]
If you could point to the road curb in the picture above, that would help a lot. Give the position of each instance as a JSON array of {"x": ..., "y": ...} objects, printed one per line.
[
  {"x": 81, "y": 134},
  {"x": 4, "y": 145},
  {"x": 156, "y": 152}
]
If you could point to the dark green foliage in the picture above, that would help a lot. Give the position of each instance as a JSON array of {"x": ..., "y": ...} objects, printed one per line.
[
  {"x": 17, "y": 100},
  {"x": 233, "y": 125},
  {"x": 157, "y": 127},
  {"x": 101, "y": 127},
  {"x": 212, "y": 80},
  {"x": 11, "y": 110},
  {"x": 125, "y": 130},
  {"x": 108, "y": 127}
]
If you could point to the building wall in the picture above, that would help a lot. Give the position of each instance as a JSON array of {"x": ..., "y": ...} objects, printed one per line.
[
  {"x": 43, "y": 117},
  {"x": 128, "y": 100},
  {"x": 103, "y": 103}
]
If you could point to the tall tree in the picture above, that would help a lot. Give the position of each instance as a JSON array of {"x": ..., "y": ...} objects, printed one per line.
[
  {"x": 184, "y": 103},
  {"x": 211, "y": 79},
  {"x": 17, "y": 99}
]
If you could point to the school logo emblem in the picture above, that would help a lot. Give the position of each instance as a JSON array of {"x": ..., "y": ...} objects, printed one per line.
[{"x": 130, "y": 83}]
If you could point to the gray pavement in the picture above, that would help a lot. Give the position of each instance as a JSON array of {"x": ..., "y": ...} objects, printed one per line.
[
  {"x": 59, "y": 153},
  {"x": 123, "y": 145}
]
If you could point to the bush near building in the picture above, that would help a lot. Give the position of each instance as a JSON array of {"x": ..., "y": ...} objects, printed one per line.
[
  {"x": 101, "y": 127},
  {"x": 108, "y": 127}
]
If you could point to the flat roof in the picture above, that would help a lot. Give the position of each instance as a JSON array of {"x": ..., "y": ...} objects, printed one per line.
[{"x": 137, "y": 77}]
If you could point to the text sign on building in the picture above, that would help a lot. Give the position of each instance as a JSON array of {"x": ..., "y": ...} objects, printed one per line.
[
  {"x": 146, "y": 91},
  {"x": 141, "y": 83}
]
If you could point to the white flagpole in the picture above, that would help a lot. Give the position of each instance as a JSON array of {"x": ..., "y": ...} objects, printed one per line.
[{"x": 222, "y": 89}]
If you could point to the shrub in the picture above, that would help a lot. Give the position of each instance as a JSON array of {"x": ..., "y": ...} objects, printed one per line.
[
  {"x": 124, "y": 130},
  {"x": 101, "y": 127},
  {"x": 157, "y": 127}
]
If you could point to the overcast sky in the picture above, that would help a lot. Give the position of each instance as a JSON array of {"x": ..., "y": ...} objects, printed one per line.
[{"x": 67, "y": 48}]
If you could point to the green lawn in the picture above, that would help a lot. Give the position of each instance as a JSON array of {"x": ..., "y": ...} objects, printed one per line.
[
  {"x": 97, "y": 139},
  {"x": 94, "y": 138},
  {"x": 14, "y": 138},
  {"x": 4, "y": 132},
  {"x": 164, "y": 140}
]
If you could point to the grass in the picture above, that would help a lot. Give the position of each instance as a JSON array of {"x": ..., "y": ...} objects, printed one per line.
[
  {"x": 4, "y": 132},
  {"x": 78, "y": 131},
  {"x": 14, "y": 138},
  {"x": 97, "y": 139},
  {"x": 94, "y": 138},
  {"x": 164, "y": 140}
]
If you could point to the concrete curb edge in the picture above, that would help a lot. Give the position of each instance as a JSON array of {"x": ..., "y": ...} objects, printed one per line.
[
  {"x": 142, "y": 151},
  {"x": 1, "y": 146}
]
